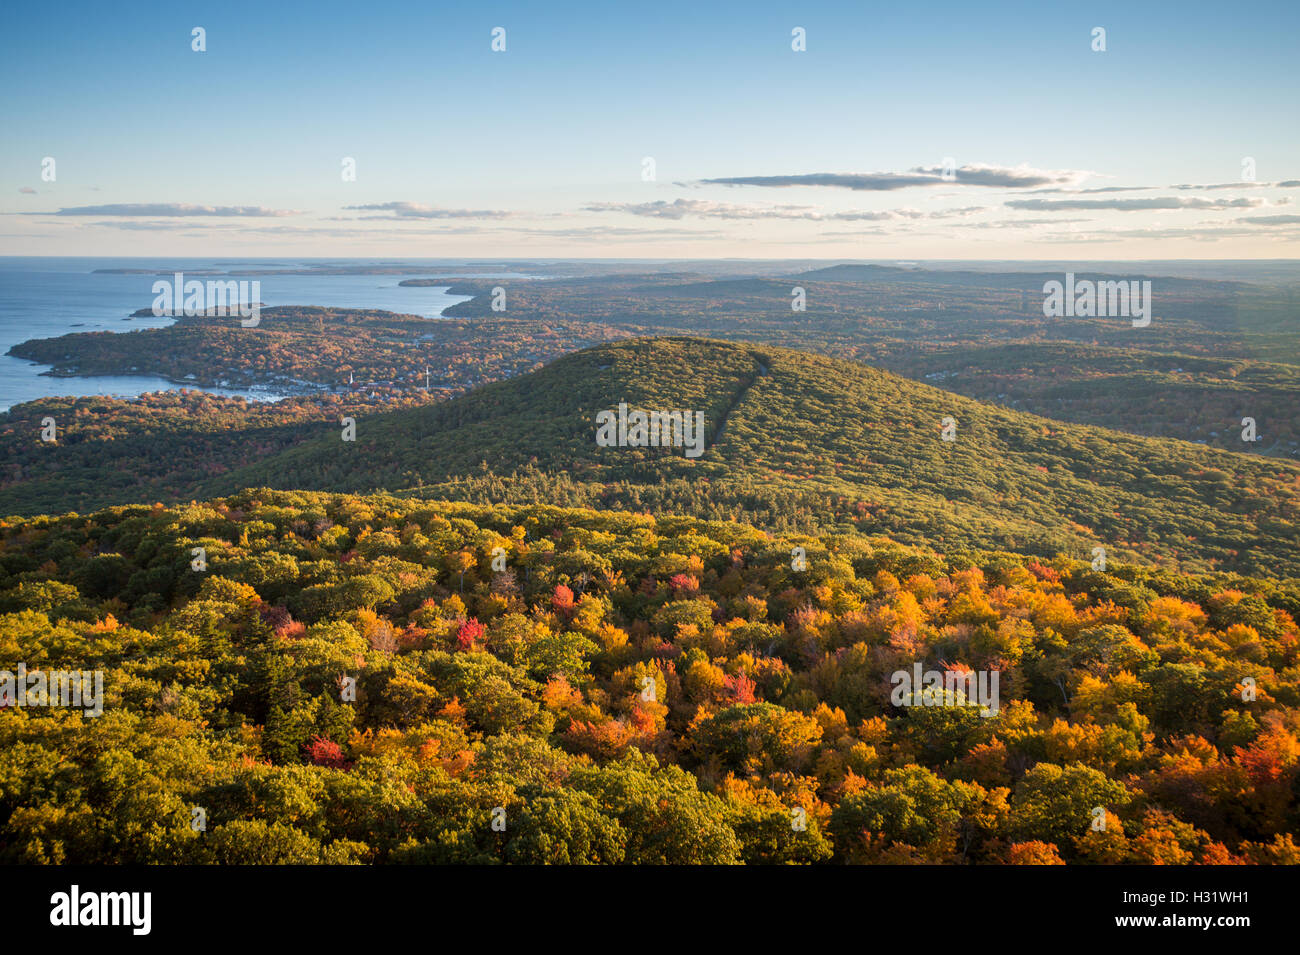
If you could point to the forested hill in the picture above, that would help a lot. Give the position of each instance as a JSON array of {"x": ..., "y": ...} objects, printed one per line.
[{"x": 813, "y": 442}]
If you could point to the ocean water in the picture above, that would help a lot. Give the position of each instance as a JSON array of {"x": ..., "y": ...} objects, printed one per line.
[{"x": 46, "y": 297}]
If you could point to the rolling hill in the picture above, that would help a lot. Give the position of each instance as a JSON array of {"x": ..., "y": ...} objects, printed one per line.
[{"x": 799, "y": 441}]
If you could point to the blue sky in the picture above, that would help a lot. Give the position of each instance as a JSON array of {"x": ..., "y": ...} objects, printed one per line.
[{"x": 538, "y": 150}]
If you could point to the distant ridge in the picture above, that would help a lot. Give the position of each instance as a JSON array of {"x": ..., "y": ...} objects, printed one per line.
[{"x": 1000, "y": 280}]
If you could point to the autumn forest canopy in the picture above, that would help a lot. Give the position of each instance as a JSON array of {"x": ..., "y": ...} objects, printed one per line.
[
  {"x": 626, "y": 689},
  {"x": 416, "y": 613}
]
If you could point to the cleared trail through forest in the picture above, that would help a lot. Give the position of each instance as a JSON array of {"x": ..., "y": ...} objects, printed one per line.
[{"x": 760, "y": 372}]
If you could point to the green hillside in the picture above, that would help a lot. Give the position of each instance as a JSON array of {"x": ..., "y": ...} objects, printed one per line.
[{"x": 798, "y": 441}]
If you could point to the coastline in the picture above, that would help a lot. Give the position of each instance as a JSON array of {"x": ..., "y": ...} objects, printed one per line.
[{"x": 115, "y": 378}]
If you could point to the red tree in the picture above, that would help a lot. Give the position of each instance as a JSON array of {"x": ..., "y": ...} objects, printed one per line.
[
  {"x": 326, "y": 752},
  {"x": 468, "y": 632},
  {"x": 562, "y": 600}
]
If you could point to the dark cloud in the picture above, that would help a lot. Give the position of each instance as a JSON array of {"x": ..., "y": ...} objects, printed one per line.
[
  {"x": 1094, "y": 190},
  {"x": 170, "y": 209},
  {"x": 1271, "y": 220},
  {"x": 859, "y": 182},
  {"x": 1020, "y": 177},
  {"x": 1236, "y": 185}
]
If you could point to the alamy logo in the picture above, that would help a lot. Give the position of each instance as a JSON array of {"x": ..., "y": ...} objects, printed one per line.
[
  {"x": 72, "y": 688},
  {"x": 946, "y": 688},
  {"x": 652, "y": 429},
  {"x": 103, "y": 908},
  {"x": 1088, "y": 299},
  {"x": 216, "y": 299}
]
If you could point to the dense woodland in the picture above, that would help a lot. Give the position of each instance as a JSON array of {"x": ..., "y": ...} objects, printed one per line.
[
  {"x": 628, "y": 689},
  {"x": 795, "y": 441},
  {"x": 161, "y": 446},
  {"x": 625, "y": 655},
  {"x": 806, "y": 442}
]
